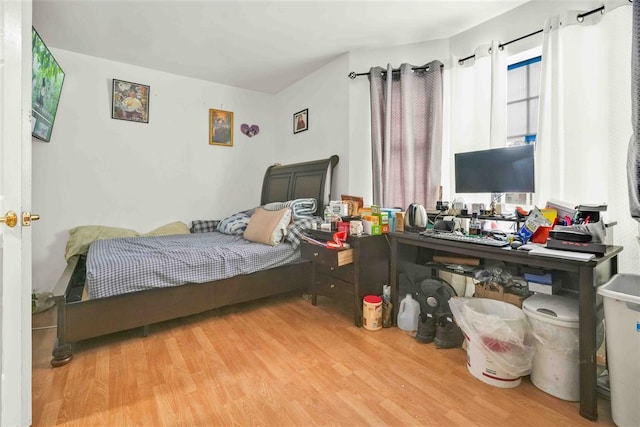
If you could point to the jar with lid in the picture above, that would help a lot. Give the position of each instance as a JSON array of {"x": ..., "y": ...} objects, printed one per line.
[{"x": 475, "y": 226}]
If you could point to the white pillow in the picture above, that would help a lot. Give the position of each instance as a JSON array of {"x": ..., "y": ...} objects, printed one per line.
[{"x": 268, "y": 227}]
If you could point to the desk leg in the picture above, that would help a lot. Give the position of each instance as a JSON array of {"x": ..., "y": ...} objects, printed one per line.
[
  {"x": 393, "y": 278},
  {"x": 587, "y": 334}
]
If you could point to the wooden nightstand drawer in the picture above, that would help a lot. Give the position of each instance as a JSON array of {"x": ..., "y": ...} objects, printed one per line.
[
  {"x": 324, "y": 256},
  {"x": 329, "y": 286},
  {"x": 343, "y": 273}
]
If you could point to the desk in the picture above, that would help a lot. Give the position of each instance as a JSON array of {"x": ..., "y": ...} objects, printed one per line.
[{"x": 577, "y": 276}]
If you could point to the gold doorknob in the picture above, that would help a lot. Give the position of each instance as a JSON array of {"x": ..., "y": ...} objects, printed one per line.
[
  {"x": 10, "y": 218},
  {"x": 27, "y": 217}
]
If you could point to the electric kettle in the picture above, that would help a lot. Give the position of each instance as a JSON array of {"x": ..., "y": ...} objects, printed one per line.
[{"x": 416, "y": 216}]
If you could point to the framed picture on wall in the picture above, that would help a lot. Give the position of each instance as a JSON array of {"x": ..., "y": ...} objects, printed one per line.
[
  {"x": 130, "y": 101},
  {"x": 220, "y": 127},
  {"x": 301, "y": 121}
]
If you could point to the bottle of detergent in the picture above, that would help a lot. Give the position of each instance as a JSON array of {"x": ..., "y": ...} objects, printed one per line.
[{"x": 408, "y": 314}]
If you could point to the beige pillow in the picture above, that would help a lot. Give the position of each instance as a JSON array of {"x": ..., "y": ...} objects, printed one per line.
[
  {"x": 268, "y": 227},
  {"x": 177, "y": 227},
  {"x": 81, "y": 237}
]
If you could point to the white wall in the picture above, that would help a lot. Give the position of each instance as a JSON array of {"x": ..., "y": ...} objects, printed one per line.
[
  {"x": 97, "y": 170},
  {"x": 325, "y": 93}
]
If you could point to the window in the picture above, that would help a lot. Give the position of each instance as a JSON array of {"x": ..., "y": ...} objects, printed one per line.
[{"x": 523, "y": 94}]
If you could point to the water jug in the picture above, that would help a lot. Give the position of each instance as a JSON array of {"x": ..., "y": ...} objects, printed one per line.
[{"x": 408, "y": 314}]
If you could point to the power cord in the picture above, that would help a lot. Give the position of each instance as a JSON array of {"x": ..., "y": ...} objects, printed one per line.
[{"x": 39, "y": 328}]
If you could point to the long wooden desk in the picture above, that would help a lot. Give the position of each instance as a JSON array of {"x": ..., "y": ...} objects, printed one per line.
[{"x": 577, "y": 276}]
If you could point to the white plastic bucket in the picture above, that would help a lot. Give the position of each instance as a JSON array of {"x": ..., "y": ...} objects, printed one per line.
[
  {"x": 622, "y": 324},
  {"x": 484, "y": 369},
  {"x": 556, "y": 363},
  {"x": 499, "y": 341}
]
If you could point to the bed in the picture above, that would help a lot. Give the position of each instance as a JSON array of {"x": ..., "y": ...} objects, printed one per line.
[{"x": 81, "y": 318}]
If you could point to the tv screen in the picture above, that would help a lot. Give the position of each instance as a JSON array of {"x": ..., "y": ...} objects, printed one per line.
[
  {"x": 46, "y": 84},
  {"x": 499, "y": 170}
]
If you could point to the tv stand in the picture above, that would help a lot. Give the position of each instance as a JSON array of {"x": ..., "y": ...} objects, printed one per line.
[{"x": 578, "y": 277}]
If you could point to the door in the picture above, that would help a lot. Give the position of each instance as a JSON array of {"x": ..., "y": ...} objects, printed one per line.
[{"x": 15, "y": 195}]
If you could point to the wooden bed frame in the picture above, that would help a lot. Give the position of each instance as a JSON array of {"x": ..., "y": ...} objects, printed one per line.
[{"x": 79, "y": 320}]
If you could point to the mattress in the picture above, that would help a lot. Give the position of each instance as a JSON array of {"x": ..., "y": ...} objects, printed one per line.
[{"x": 131, "y": 264}]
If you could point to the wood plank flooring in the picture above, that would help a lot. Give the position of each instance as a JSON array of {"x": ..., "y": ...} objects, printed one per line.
[{"x": 277, "y": 362}]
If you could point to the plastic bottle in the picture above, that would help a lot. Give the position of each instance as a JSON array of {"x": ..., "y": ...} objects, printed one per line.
[
  {"x": 408, "y": 314},
  {"x": 327, "y": 215}
]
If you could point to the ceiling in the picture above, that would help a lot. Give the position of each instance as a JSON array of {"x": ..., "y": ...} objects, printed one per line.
[{"x": 258, "y": 45}]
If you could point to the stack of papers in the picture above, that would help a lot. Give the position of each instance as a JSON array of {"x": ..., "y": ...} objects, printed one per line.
[{"x": 554, "y": 253}]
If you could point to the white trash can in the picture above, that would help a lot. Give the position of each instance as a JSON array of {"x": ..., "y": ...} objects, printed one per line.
[
  {"x": 500, "y": 344},
  {"x": 622, "y": 323},
  {"x": 555, "y": 323}
]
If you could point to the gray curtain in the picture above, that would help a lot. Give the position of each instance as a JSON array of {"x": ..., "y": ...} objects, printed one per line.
[
  {"x": 406, "y": 135},
  {"x": 633, "y": 158}
]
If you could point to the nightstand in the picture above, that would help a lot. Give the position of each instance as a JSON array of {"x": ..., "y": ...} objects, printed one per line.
[{"x": 349, "y": 273}]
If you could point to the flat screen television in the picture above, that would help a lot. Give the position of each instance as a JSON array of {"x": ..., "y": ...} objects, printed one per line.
[
  {"x": 46, "y": 84},
  {"x": 499, "y": 170}
]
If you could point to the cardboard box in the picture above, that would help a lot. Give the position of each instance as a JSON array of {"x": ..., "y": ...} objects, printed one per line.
[
  {"x": 371, "y": 218},
  {"x": 494, "y": 290},
  {"x": 400, "y": 222},
  {"x": 371, "y": 228},
  {"x": 384, "y": 228}
]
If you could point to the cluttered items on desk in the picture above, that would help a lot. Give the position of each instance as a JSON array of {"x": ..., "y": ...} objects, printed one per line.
[
  {"x": 497, "y": 283},
  {"x": 350, "y": 216},
  {"x": 561, "y": 228}
]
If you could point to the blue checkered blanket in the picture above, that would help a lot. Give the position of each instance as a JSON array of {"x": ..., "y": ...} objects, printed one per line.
[{"x": 118, "y": 266}]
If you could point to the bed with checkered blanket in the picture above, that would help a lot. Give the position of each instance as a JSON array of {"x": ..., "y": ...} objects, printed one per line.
[
  {"x": 132, "y": 264},
  {"x": 135, "y": 282}
]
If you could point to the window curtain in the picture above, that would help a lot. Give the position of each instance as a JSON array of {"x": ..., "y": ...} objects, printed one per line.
[
  {"x": 584, "y": 124},
  {"x": 406, "y": 134},
  {"x": 633, "y": 156},
  {"x": 478, "y": 107}
]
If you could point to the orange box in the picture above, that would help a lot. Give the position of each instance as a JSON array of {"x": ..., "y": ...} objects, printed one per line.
[
  {"x": 541, "y": 235},
  {"x": 372, "y": 218}
]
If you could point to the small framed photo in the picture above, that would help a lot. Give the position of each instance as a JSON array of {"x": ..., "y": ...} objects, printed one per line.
[
  {"x": 220, "y": 127},
  {"x": 301, "y": 121},
  {"x": 130, "y": 101}
]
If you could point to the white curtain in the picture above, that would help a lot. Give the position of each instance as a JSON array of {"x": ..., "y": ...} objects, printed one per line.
[
  {"x": 478, "y": 106},
  {"x": 584, "y": 125}
]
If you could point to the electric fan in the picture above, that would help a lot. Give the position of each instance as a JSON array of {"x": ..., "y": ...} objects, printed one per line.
[{"x": 436, "y": 321}]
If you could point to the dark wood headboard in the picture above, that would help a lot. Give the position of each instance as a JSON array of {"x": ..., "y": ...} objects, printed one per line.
[{"x": 300, "y": 180}]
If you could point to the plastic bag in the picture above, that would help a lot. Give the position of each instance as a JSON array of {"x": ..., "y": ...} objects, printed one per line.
[{"x": 500, "y": 330}]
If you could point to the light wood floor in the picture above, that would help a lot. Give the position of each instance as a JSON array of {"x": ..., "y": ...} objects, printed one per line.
[{"x": 277, "y": 362}]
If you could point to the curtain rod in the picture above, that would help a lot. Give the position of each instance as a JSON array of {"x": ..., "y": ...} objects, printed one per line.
[
  {"x": 352, "y": 75},
  {"x": 580, "y": 17}
]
